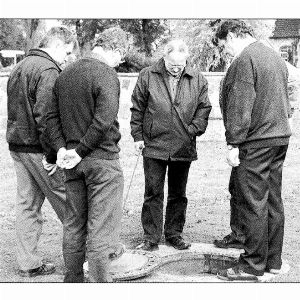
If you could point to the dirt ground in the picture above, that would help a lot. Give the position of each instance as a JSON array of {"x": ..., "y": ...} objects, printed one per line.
[{"x": 207, "y": 214}]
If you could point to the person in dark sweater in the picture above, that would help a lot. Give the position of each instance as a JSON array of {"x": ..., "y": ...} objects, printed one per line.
[
  {"x": 29, "y": 91},
  {"x": 83, "y": 127},
  {"x": 255, "y": 109}
]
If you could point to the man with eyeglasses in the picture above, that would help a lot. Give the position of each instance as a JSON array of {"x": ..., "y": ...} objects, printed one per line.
[
  {"x": 29, "y": 92},
  {"x": 83, "y": 127},
  {"x": 170, "y": 108}
]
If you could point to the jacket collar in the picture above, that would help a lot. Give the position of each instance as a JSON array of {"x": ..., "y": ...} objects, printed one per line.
[
  {"x": 96, "y": 56},
  {"x": 41, "y": 53},
  {"x": 160, "y": 68}
]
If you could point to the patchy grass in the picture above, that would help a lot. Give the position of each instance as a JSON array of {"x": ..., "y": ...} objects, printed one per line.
[{"x": 207, "y": 214}]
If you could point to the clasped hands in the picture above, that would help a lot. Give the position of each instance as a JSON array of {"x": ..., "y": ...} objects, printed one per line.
[{"x": 67, "y": 159}]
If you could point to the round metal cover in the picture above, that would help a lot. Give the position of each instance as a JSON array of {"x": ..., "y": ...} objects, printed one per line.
[{"x": 131, "y": 265}]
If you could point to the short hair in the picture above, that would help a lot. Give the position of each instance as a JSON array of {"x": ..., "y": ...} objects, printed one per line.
[
  {"x": 238, "y": 27},
  {"x": 111, "y": 39},
  {"x": 60, "y": 33},
  {"x": 181, "y": 44}
]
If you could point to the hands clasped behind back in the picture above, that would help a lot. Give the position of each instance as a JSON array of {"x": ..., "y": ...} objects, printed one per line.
[{"x": 67, "y": 159}]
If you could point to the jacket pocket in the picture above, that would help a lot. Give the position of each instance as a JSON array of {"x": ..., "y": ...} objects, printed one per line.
[{"x": 21, "y": 135}]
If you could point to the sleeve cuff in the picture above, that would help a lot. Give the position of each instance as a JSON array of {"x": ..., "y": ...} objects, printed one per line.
[
  {"x": 82, "y": 150},
  {"x": 233, "y": 145},
  {"x": 59, "y": 144},
  {"x": 51, "y": 157}
]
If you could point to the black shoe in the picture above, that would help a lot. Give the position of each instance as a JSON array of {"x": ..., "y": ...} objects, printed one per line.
[
  {"x": 44, "y": 269},
  {"x": 228, "y": 242},
  {"x": 178, "y": 243},
  {"x": 147, "y": 246},
  {"x": 118, "y": 253}
]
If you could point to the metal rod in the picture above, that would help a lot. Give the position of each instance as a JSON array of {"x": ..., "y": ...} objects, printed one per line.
[{"x": 130, "y": 183}]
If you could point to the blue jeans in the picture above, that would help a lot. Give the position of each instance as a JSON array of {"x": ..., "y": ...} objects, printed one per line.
[{"x": 92, "y": 222}]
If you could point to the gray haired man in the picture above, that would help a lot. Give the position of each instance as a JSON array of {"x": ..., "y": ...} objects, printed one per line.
[{"x": 170, "y": 108}]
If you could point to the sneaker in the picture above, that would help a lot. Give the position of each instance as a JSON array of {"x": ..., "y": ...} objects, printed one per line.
[
  {"x": 44, "y": 269},
  {"x": 178, "y": 243},
  {"x": 147, "y": 246},
  {"x": 236, "y": 274}
]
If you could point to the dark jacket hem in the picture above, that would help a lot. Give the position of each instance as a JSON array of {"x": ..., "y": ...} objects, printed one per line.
[
  {"x": 25, "y": 148},
  {"x": 264, "y": 143},
  {"x": 169, "y": 157}
]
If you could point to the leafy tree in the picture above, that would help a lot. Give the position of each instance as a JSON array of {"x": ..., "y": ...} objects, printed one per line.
[
  {"x": 87, "y": 29},
  {"x": 34, "y": 31},
  {"x": 146, "y": 32},
  {"x": 11, "y": 34},
  {"x": 198, "y": 34}
]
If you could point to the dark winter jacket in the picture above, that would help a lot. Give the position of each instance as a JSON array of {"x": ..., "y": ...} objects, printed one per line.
[
  {"x": 169, "y": 128},
  {"x": 255, "y": 99},
  {"x": 29, "y": 91},
  {"x": 83, "y": 113}
]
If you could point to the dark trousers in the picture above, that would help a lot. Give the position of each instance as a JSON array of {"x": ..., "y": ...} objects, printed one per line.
[
  {"x": 258, "y": 183},
  {"x": 236, "y": 230},
  {"x": 94, "y": 190},
  {"x": 152, "y": 212}
]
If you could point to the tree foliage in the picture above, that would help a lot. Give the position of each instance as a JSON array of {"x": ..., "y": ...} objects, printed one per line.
[
  {"x": 34, "y": 31},
  {"x": 11, "y": 34},
  {"x": 146, "y": 32},
  {"x": 21, "y": 34},
  {"x": 87, "y": 29},
  {"x": 198, "y": 34},
  {"x": 146, "y": 37}
]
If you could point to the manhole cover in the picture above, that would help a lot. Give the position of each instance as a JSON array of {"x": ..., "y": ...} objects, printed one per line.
[
  {"x": 191, "y": 266},
  {"x": 195, "y": 264},
  {"x": 131, "y": 265}
]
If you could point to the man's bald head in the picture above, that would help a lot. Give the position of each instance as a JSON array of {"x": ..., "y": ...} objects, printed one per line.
[{"x": 176, "y": 53}]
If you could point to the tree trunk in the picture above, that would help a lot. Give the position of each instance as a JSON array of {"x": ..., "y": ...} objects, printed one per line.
[
  {"x": 147, "y": 45},
  {"x": 34, "y": 30}
]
